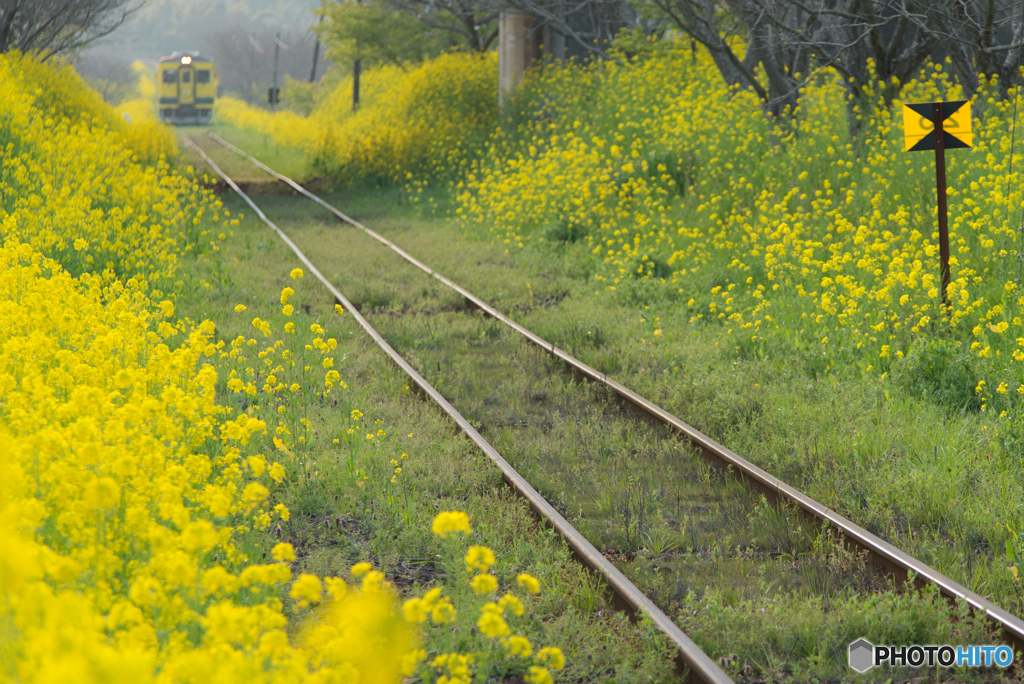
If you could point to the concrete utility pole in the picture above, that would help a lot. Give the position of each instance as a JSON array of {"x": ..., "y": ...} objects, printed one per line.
[
  {"x": 277, "y": 53},
  {"x": 515, "y": 51},
  {"x": 316, "y": 53}
]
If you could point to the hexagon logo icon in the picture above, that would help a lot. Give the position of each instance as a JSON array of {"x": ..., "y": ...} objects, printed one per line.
[{"x": 862, "y": 655}]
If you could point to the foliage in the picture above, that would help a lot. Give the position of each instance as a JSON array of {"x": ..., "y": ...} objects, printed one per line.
[
  {"x": 430, "y": 121},
  {"x": 131, "y": 497},
  {"x": 300, "y": 96},
  {"x": 139, "y": 108},
  {"x": 276, "y": 384},
  {"x": 58, "y": 93},
  {"x": 466, "y": 24},
  {"x": 135, "y": 508},
  {"x": 491, "y": 649},
  {"x": 286, "y": 127},
  {"x": 106, "y": 214},
  {"x": 376, "y": 34},
  {"x": 768, "y": 233},
  {"x": 941, "y": 371}
]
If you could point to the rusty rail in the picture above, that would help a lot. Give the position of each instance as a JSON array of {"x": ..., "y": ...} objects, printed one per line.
[
  {"x": 884, "y": 554},
  {"x": 635, "y": 601}
]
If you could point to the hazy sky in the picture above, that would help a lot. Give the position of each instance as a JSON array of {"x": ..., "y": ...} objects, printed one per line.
[{"x": 165, "y": 26}]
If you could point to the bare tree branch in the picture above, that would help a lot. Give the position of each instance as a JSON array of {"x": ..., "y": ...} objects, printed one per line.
[
  {"x": 471, "y": 20},
  {"x": 590, "y": 25},
  {"x": 979, "y": 36},
  {"x": 53, "y": 27}
]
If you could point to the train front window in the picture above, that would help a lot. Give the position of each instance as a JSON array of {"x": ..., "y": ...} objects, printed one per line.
[
  {"x": 203, "y": 76},
  {"x": 186, "y": 77},
  {"x": 170, "y": 76}
]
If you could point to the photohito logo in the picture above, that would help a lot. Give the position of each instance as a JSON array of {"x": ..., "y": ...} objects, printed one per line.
[{"x": 863, "y": 655}]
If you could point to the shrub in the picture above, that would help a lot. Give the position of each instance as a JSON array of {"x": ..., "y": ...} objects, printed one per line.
[{"x": 940, "y": 371}]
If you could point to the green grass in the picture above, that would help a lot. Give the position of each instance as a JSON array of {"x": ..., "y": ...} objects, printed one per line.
[
  {"x": 344, "y": 507},
  {"x": 283, "y": 159},
  {"x": 934, "y": 484}
]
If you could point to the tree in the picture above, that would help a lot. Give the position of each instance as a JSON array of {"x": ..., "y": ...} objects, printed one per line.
[
  {"x": 377, "y": 33},
  {"x": 471, "y": 24},
  {"x": 761, "y": 28},
  {"x": 587, "y": 24},
  {"x": 53, "y": 27},
  {"x": 114, "y": 80},
  {"x": 980, "y": 36},
  {"x": 870, "y": 43}
]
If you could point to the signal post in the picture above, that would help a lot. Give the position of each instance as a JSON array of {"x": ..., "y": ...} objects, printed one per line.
[{"x": 938, "y": 126}]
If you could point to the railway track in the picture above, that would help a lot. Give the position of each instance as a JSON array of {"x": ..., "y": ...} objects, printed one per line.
[{"x": 894, "y": 561}]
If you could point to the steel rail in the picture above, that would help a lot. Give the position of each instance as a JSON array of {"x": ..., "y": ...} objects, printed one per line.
[
  {"x": 901, "y": 564},
  {"x": 701, "y": 666}
]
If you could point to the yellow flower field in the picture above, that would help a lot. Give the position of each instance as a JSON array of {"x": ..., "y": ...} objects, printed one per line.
[
  {"x": 86, "y": 187},
  {"x": 788, "y": 235},
  {"x": 130, "y": 497},
  {"x": 423, "y": 122},
  {"x": 143, "y": 463}
]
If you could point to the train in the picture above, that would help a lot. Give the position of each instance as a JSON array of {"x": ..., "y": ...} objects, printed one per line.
[{"x": 187, "y": 88}]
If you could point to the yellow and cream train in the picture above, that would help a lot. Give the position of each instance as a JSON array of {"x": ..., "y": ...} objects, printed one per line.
[{"x": 187, "y": 88}]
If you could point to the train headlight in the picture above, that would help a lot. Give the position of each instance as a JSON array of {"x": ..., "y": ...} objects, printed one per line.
[{"x": 186, "y": 60}]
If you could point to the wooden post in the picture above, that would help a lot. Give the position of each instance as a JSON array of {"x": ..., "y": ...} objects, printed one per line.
[
  {"x": 514, "y": 51},
  {"x": 355, "y": 84},
  {"x": 940, "y": 193},
  {"x": 356, "y": 68}
]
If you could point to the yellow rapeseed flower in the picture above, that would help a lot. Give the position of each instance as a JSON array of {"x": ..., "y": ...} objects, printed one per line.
[
  {"x": 283, "y": 552},
  {"x": 529, "y": 583},
  {"x": 448, "y": 522},
  {"x": 539, "y": 675},
  {"x": 415, "y": 610},
  {"x": 306, "y": 590},
  {"x": 492, "y": 625},
  {"x": 479, "y": 558},
  {"x": 484, "y": 584},
  {"x": 518, "y": 646},
  {"x": 511, "y": 603},
  {"x": 552, "y": 655}
]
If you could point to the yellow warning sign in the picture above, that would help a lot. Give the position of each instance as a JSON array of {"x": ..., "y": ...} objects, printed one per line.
[{"x": 919, "y": 126}]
